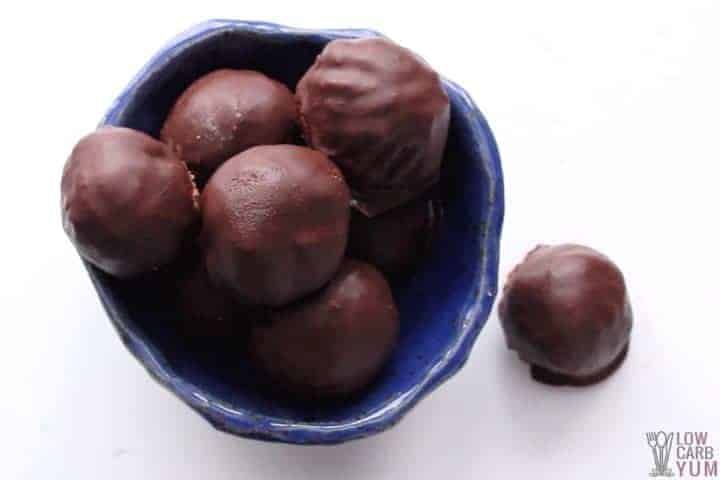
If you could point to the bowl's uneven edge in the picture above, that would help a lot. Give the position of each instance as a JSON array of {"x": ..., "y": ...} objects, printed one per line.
[{"x": 475, "y": 311}]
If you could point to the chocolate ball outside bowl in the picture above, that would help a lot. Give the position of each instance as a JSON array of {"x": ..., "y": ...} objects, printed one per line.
[
  {"x": 379, "y": 112},
  {"x": 226, "y": 112},
  {"x": 332, "y": 343},
  {"x": 275, "y": 223},
  {"x": 565, "y": 310},
  {"x": 397, "y": 240},
  {"x": 128, "y": 203}
]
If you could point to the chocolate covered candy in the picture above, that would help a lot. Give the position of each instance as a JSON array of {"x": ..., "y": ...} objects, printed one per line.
[
  {"x": 565, "y": 310},
  {"x": 275, "y": 222},
  {"x": 209, "y": 316},
  {"x": 128, "y": 203},
  {"x": 379, "y": 112},
  {"x": 397, "y": 240},
  {"x": 226, "y": 112},
  {"x": 332, "y": 343}
]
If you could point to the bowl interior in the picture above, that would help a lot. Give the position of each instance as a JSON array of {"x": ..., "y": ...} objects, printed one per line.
[{"x": 438, "y": 303}]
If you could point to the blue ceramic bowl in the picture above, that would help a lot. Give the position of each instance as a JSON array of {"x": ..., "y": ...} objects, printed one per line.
[{"x": 443, "y": 306}]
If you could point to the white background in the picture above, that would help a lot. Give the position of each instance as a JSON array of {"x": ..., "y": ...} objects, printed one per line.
[{"x": 607, "y": 117}]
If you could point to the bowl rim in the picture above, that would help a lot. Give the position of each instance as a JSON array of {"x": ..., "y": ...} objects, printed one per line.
[{"x": 474, "y": 313}]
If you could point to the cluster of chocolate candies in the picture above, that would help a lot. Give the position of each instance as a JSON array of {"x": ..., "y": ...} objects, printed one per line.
[{"x": 280, "y": 258}]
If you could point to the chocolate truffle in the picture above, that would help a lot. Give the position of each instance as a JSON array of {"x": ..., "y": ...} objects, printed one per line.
[
  {"x": 208, "y": 315},
  {"x": 379, "y": 112},
  {"x": 396, "y": 240},
  {"x": 225, "y": 112},
  {"x": 565, "y": 311},
  {"x": 128, "y": 203},
  {"x": 275, "y": 223},
  {"x": 332, "y": 343}
]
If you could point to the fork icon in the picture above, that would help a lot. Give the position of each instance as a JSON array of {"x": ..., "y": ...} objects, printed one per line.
[{"x": 652, "y": 441}]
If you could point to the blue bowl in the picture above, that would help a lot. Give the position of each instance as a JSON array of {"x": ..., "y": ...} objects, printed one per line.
[{"x": 443, "y": 306}]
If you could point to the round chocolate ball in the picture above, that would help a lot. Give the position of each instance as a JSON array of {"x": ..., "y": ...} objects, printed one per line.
[
  {"x": 128, "y": 203},
  {"x": 565, "y": 310},
  {"x": 275, "y": 223},
  {"x": 396, "y": 240},
  {"x": 208, "y": 315},
  {"x": 379, "y": 112},
  {"x": 225, "y": 112},
  {"x": 332, "y": 343}
]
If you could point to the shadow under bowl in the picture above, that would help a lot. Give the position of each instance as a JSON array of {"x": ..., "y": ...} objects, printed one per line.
[{"x": 443, "y": 305}]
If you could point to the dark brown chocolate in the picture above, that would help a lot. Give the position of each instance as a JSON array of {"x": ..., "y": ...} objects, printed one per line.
[
  {"x": 332, "y": 343},
  {"x": 225, "y": 112},
  {"x": 379, "y": 112},
  {"x": 565, "y": 310},
  {"x": 275, "y": 222},
  {"x": 128, "y": 203},
  {"x": 208, "y": 315},
  {"x": 397, "y": 240}
]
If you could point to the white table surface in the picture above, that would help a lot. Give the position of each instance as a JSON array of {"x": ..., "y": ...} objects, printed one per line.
[{"x": 608, "y": 122}]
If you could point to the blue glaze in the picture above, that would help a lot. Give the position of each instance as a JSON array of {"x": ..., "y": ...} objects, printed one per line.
[{"x": 443, "y": 305}]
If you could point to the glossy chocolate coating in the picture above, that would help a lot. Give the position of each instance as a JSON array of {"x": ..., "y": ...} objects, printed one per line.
[
  {"x": 379, "y": 112},
  {"x": 225, "y": 112},
  {"x": 275, "y": 223},
  {"x": 332, "y": 343},
  {"x": 396, "y": 240},
  {"x": 128, "y": 203},
  {"x": 565, "y": 310}
]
